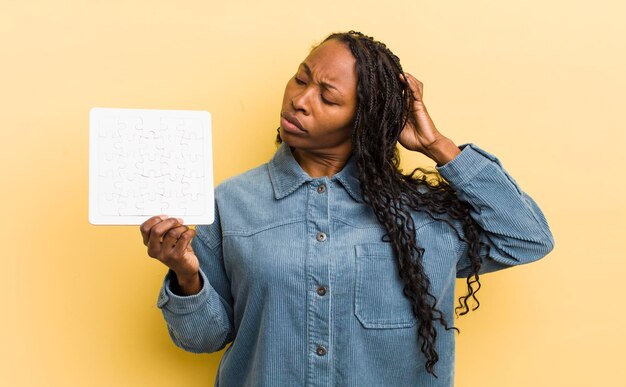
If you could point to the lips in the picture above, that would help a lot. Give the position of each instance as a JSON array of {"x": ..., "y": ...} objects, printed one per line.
[{"x": 290, "y": 118}]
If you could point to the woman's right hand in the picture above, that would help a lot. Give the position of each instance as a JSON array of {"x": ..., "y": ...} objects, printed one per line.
[{"x": 169, "y": 241}]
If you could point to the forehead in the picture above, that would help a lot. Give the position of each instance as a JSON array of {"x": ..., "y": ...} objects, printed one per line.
[{"x": 333, "y": 62}]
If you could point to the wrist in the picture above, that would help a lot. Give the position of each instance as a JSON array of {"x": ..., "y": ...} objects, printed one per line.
[
  {"x": 188, "y": 284},
  {"x": 443, "y": 150}
]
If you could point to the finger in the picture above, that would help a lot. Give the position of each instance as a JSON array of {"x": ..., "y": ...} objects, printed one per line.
[
  {"x": 420, "y": 87},
  {"x": 410, "y": 77},
  {"x": 156, "y": 235},
  {"x": 171, "y": 238},
  {"x": 416, "y": 87},
  {"x": 148, "y": 224},
  {"x": 414, "y": 84},
  {"x": 183, "y": 243}
]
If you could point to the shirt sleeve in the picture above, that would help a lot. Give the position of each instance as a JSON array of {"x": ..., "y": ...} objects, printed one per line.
[
  {"x": 201, "y": 322},
  {"x": 514, "y": 226}
]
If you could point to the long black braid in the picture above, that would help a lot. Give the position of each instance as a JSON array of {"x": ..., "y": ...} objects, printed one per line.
[{"x": 383, "y": 107}]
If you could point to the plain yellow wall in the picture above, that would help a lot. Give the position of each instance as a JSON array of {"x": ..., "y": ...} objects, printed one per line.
[{"x": 540, "y": 84}]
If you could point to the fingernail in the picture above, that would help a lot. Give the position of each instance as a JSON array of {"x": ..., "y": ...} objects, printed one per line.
[{"x": 180, "y": 220}]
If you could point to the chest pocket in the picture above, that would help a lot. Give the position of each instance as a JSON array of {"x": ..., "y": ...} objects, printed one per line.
[{"x": 379, "y": 301}]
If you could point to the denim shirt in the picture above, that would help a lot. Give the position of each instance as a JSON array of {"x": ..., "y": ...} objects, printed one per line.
[{"x": 297, "y": 277}]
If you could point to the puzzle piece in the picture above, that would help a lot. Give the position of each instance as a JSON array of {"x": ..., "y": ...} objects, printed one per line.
[
  {"x": 111, "y": 165},
  {"x": 127, "y": 205},
  {"x": 152, "y": 165},
  {"x": 179, "y": 204},
  {"x": 153, "y": 206},
  {"x": 193, "y": 187},
  {"x": 151, "y": 188},
  {"x": 191, "y": 130}
]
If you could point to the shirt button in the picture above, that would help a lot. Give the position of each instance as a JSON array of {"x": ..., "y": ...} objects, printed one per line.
[
  {"x": 321, "y": 290},
  {"x": 321, "y": 237},
  {"x": 321, "y": 351},
  {"x": 321, "y": 188}
]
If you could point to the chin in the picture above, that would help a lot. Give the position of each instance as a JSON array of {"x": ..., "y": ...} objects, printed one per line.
[{"x": 292, "y": 140}]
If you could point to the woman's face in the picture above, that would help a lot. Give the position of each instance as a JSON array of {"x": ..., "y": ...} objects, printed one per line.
[{"x": 320, "y": 100}]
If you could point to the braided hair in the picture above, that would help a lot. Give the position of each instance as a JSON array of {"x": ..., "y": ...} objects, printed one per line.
[{"x": 383, "y": 108}]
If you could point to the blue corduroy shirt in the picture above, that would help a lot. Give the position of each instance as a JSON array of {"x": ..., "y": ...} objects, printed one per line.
[{"x": 297, "y": 277}]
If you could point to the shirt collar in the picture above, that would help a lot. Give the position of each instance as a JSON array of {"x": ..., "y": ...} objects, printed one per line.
[{"x": 287, "y": 175}]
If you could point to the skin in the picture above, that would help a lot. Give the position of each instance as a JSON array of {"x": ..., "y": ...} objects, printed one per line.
[
  {"x": 169, "y": 241},
  {"x": 425, "y": 138},
  {"x": 325, "y": 112},
  {"x": 322, "y": 97}
]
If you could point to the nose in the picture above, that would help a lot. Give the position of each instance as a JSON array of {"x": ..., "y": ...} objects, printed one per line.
[{"x": 300, "y": 101}]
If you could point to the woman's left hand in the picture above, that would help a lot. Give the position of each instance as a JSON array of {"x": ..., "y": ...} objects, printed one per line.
[{"x": 425, "y": 138}]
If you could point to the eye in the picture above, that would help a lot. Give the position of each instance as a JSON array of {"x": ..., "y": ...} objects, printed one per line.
[
  {"x": 299, "y": 81},
  {"x": 327, "y": 102}
]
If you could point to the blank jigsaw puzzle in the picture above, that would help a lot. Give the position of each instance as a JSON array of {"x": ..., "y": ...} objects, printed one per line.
[{"x": 146, "y": 162}]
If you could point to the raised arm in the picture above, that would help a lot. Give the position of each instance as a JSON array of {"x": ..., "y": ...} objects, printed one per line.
[{"x": 515, "y": 228}]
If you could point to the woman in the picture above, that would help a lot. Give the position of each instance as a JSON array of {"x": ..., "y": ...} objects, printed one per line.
[{"x": 327, "y": 265}]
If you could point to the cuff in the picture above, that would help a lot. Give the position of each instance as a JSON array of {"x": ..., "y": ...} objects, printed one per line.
[
  {"x": 466, "y": 165},
  {"x": 182, "y": 304}
]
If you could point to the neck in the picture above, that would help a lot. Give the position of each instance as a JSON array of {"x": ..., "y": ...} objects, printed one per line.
[{"x": 318, "y": 163}]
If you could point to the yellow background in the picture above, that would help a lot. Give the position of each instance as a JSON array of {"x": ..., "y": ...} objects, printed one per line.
[{"x": 540, "y": 84}]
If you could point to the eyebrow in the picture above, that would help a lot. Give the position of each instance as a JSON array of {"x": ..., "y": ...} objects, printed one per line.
[{"x": 325, "y": 85}]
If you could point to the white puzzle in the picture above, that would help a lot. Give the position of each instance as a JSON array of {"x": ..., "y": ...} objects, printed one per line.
[{"x": 146, "y": 162}]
